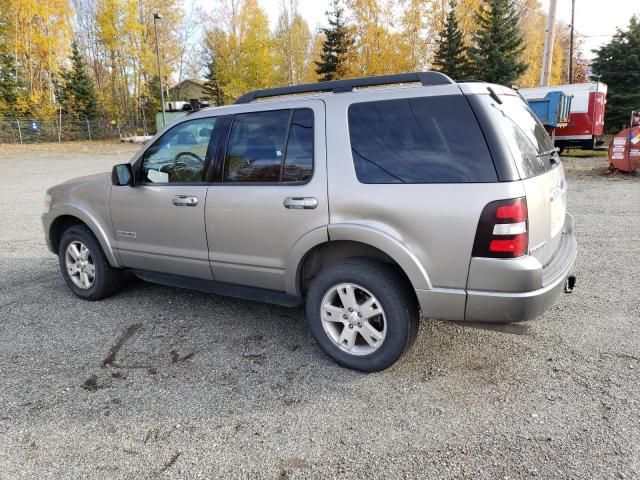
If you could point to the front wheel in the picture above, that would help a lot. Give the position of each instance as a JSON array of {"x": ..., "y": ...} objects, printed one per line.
[
  {"x": 362, "y": 314},
  {"x": 84, "y": 266}
]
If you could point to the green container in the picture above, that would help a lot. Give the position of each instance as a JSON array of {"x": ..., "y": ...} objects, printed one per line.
[{"x": 170, "y": 116}]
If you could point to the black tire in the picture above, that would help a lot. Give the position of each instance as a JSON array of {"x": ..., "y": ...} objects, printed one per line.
[
  {"x": 107, "y": 280},
  {"x": 393, "y": 293}
]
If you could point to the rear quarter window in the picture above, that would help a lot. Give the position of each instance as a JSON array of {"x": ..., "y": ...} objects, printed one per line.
[
  {"x": 530, "y": 145},
  {"x": 419, "y": 140}
]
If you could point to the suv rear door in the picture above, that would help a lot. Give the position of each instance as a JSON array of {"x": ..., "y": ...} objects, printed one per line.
[{"x": 269, "y": 190}]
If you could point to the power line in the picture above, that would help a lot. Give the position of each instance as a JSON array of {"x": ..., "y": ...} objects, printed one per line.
[
  {"x": 594, "y": 36},
  {"x": 543, "y": 14}
]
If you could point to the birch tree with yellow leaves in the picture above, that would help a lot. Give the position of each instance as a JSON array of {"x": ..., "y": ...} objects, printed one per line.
[
  {"x": 292, "y": 45},
  {"x": 36, "y": 34},
  {"x": 377, "y": 44},
  {"x": 241, "y": 41}
]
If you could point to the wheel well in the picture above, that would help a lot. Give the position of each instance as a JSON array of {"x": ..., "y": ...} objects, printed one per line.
[
  {"x": 328, "y": 253},
  {"x": 58, "y": 227}
]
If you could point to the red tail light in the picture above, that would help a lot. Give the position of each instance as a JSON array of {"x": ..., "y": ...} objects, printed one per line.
[
  {"x": 503, "y": 230},
  {"x": 516, "y": 211}
]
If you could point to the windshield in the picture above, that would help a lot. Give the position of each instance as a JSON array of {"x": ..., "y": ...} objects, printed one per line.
[{"x": 528, "y": 141}]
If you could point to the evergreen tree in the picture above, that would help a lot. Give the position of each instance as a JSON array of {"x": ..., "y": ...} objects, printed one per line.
[
  {"x": 337, "y": 47},
  {"x": 497, "y": 44},
  {"x": 212, "y": 85},
  {"x": 9, "y": 87},
  {"x": 450, "y": 57},
  {"x": 618, "y": 65},
  {"x": 152, "y": 91},
  {"x": 78, "y": 91}
]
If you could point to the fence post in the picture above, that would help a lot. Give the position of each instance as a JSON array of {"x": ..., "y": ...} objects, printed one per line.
[
  {"x": 60, "y": 125},
  {"x": 19, "y": 131},
  {"x": 88, "y": 127}
]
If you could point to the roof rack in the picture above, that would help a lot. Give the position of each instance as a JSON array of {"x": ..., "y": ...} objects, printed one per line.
[{"x": 341, "y": 86}]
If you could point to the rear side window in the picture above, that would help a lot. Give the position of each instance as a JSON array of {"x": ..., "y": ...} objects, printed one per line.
[
  {"x": 298, "y": 164},
  {"x": 419, "y": 140},
  {"x": 271, "y": 146}
]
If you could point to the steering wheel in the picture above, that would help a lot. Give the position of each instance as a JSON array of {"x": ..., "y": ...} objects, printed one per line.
[{"x": 188, "y": 160}]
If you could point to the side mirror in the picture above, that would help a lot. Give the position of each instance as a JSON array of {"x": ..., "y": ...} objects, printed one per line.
[{"x": 122, "y": 175}]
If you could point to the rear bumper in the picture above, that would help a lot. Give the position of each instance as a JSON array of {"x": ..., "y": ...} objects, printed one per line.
[{"x": 505, "y": 307}]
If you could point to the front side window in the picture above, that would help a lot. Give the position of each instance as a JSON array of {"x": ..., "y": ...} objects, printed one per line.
[
  {"x": 270, "y": 147},
  {"x": 419, "y": 140},
  {"x": 179, "y": 155}
]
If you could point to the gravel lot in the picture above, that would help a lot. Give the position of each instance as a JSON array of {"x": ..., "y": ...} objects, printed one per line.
[{"x": 199, "y": 386}]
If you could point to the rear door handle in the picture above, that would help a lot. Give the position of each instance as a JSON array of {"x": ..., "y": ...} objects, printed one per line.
[
  {"x": 307, "y": 203},
  {"x": 185, "y": 201}
]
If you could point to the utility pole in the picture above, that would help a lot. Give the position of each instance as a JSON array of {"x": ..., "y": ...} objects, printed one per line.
[
  {"x": 156, "y": 17},
  {"x": 573, "y": 11},
  {"x": 547, "y": 57}
]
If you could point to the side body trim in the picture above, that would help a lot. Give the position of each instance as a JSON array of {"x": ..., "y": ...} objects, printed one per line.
[
  {"x": 442, "y": 303},
  {"x": 221, "y": 288}
]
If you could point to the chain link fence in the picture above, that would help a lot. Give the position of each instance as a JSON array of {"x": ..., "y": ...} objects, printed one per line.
[{"x": 63, "y": 128}]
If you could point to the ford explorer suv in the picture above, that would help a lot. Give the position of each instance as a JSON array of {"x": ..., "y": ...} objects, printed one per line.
[{"x": 370, "y": 200}]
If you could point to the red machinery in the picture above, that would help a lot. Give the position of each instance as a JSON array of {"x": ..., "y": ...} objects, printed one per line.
[{"x": 624, "y": 150}]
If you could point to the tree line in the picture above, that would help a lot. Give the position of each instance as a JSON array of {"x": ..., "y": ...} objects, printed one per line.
[{"x": 97, "y": 57}]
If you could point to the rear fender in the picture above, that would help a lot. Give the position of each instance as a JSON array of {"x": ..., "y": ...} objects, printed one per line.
[
  {"x": 390, "y": 245},
  {"x": 356, "y": 233}
]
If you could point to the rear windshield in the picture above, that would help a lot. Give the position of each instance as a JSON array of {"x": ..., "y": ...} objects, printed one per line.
[
  {"x": 419, "y": 140},
  {"x": 528, "y": 141}
]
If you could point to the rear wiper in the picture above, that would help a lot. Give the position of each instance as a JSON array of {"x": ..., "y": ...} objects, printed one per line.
[{"x": 550, "y": 153}]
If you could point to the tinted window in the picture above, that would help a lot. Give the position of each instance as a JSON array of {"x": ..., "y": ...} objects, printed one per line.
[
  {"x": 256, "y": 147},
  {"x": 270, "y": 146},
  {"x": 418, "y": 140},
  {"x": 298, "y": 164},
  {"x": 179, "y": 155},
  {"x": 528, "y": 141}
]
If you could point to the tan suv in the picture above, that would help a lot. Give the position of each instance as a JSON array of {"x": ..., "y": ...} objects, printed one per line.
[{"x": 370, "y": 199}]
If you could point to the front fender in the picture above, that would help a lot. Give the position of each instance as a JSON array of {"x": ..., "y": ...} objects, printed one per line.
[{"x": 102, "y": 232}]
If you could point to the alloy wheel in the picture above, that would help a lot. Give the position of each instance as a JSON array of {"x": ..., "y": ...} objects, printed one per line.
[
  {"x": 353, "y": 318},
  {"x": 80, "y": 266}
]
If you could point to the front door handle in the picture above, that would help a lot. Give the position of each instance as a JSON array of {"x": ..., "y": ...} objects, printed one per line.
[
  {"x": 307, "y": 203},
  {"x": 185, "y": 201}
]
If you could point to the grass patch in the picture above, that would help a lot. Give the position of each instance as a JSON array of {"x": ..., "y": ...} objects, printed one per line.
[{"x": 585, "y": 153}]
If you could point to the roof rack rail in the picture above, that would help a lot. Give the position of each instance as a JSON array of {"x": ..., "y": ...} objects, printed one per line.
[{"x": 341, "y": 86}]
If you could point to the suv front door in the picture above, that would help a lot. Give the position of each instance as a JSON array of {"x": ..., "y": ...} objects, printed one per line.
[
  {"x": 159, "y": 222},
  {"x": 270, "y": 191}
]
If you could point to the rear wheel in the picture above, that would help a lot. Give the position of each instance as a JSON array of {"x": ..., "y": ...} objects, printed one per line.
[
  {"x": 362, "y": 313},
  {"x": 84, "y": 266}
]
